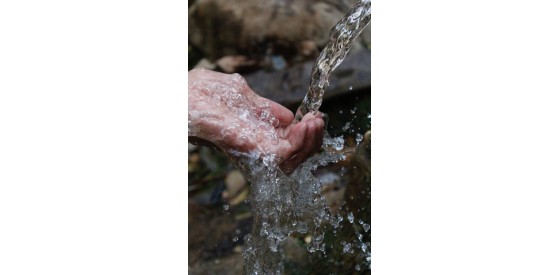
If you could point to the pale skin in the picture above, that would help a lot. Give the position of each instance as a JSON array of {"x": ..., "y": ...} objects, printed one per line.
[{"x": 249, "y": 122}]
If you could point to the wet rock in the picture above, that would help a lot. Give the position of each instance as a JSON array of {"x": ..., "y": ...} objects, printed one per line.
[
  {"x": 289, "y": 86},
  {"x": 239, "y": 27}
]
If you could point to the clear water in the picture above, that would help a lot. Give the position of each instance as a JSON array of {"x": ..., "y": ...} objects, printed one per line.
[
  {"x": 342, "y": 37},
  {"x": 284, "y": 204},
  {"x": 281, "y": 204}
]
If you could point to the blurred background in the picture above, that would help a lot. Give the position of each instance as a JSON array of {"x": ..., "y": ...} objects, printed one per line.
[{"x": 273, "y": 44}]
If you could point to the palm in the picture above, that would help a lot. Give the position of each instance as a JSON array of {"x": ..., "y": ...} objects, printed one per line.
[{"x": 227, "y": 113}]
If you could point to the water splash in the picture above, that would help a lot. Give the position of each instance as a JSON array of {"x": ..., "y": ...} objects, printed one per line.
[
  {"x": 281, "y": 204},
  {"x": 284, "y": 204}
]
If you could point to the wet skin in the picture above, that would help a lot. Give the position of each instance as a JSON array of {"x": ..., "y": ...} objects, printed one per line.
[{"x": 249, "y": 123}]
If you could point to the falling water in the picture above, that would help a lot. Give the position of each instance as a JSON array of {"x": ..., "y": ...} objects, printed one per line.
[
  {"x": 284, "y": 204},
  {"x": 342, "y": 37}
]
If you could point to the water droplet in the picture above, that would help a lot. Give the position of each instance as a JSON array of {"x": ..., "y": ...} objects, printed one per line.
[
  {"x": 359, "y": 137},
  {"x": 235, "y": 239},
  {"x": 351, "y": 88},
  {"x": 346, "y": 248},
  {"x": 226, "y": 207},
  {"x": 366, "y": 227},
  {"x": 351, "y": 217},
  {"x": 338, "y": 143}
]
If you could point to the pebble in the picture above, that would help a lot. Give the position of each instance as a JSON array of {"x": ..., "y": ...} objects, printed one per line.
[{"x": 235, "y": 182}]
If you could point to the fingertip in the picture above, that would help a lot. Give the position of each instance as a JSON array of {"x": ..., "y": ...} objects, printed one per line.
[
  {"x": 308, "y": 117},
  {"x": 312, "y": 128}
]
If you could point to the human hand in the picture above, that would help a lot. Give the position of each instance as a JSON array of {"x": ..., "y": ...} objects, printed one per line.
[{"x": 225, "y": 113}]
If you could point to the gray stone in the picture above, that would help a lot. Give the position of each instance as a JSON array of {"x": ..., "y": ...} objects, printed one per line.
[{"x": 240, "y": 27}]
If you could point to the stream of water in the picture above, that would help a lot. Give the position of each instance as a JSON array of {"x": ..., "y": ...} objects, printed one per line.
[
  {"x": 342, "y": 38},
  {"x": 284, "y": 204},
  {"x": 280, "y": 204}
]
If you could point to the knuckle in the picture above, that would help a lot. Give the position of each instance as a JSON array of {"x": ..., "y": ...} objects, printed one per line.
[{"x": 239, "y": 79}]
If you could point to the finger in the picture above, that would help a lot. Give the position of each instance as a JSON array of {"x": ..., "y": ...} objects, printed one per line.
[
  {"x": 307, "y": 149},
  {"x": 316, "y": 136},
  {"x": 281, "y": 113},
  {"x": 319, "y": 140},
  {"x": 308, "y": 116},
  {"x": 310, "y": 141},
  {"x": 284, "y": 116},
  {"x": 319, "y": 123},
  {"x": 297, "y": 139}
]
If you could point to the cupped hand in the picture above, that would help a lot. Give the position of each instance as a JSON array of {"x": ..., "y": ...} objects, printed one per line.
[{"x": 225, "y": 113}]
